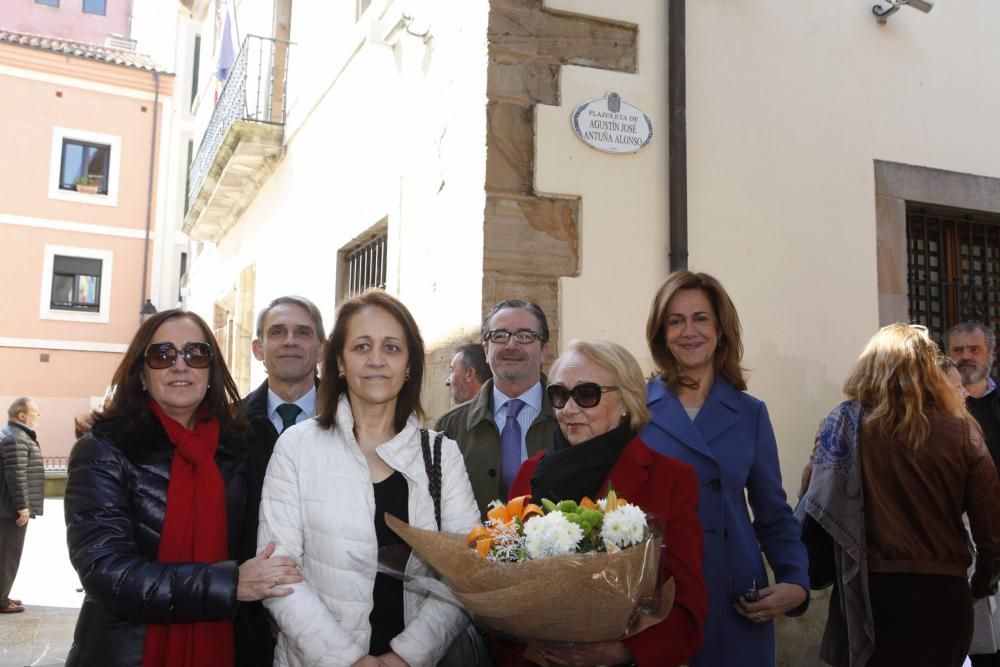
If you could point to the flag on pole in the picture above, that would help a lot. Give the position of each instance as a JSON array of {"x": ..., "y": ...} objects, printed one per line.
[{"x": 226, "y": 56}]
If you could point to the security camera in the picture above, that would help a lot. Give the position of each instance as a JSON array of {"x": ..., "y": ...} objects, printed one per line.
[{"x": 883, "y": 13}]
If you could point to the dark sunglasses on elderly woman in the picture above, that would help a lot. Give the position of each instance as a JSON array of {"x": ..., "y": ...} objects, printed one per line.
[
  {"x": 164, "y": 355},
  {"x": 585, "y": 394}
]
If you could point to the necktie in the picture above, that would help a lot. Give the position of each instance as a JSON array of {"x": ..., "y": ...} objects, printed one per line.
[
  {"x": 510, "y": 445},
  {"x": 288, "y": 412}
]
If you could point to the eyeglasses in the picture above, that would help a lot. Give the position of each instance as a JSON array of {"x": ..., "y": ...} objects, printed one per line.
[
  {"x": 164, "y": 355},
  {"x": 521, "y": 336},
  {"x": 585, "y": 394}
]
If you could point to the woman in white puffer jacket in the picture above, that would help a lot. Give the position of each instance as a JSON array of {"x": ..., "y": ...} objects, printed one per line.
[{"x": 329, "y": 482}]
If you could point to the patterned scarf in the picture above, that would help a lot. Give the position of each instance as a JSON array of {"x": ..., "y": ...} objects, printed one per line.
[
  {"x": 194, "y": 530},
  {"x": 835, "y": 499}
]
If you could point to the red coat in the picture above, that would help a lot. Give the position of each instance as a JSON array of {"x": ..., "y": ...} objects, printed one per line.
[{"x": 664, "y": 486}]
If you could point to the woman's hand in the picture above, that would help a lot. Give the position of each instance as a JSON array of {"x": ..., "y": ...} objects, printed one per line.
[
  {"x": 774, "y": 601},
  {"x": 367, "y": 661},
  {"x": 580, "y": 655},
  {"x": 261, "y": 576},
  {"x": 392, "y": 659}
]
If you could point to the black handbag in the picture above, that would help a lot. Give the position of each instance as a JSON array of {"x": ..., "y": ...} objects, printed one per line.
[
  {"x": 819, "y": 548},
  {"x": 469, "y": 649}
]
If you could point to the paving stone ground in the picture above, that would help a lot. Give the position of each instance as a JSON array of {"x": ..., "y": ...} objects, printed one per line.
[{"x": 47, "y": 583}]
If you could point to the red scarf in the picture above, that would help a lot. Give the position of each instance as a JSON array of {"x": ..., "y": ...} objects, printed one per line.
[{"x": 194, "y": 530}]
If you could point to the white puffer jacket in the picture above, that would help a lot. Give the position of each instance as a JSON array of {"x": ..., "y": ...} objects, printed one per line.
[{"x": 318, "y": 507}]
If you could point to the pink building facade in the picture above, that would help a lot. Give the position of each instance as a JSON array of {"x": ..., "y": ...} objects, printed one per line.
[
  {"x": 79, "y": 219},
  {"x": 88, "y": 21}
]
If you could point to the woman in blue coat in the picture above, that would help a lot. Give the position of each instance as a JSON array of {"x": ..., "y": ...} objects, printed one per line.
[{"x": 701, "y": 415}]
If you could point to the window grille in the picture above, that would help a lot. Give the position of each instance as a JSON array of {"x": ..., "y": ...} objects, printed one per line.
[
  {"x": 953, "y": 267},
  {"x": 366, "y": 266}
]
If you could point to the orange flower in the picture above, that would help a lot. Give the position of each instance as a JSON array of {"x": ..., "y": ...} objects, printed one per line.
[{"x": 519, "y": 509}]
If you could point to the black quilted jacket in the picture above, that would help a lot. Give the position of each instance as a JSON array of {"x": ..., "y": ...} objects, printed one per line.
[
  {"x": 115, "y": 501},
  {"x": 22, "y": 471}
]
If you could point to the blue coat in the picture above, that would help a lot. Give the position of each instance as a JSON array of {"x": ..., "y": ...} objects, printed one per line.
[{"x": 732, "y": 448}]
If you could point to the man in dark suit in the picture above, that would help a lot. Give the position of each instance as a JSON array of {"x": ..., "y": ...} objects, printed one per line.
[{"x": 289, "y": 340}]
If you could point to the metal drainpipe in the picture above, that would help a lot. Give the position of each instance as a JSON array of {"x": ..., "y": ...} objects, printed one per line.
[
  {"x": 149, "y": 189},
  {"x": 677, "y": 102}
]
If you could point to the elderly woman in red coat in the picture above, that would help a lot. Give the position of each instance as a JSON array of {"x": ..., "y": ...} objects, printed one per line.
[{"x": 599, "y": 396}]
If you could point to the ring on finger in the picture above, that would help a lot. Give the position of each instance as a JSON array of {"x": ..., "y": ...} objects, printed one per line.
[
  {"x": 759, "y": 618},
  {"x": 276, "y": 583}
]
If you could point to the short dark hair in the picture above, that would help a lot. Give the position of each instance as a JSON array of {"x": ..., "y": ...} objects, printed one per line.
[
  {"x": 127, "y": 403},
  {"x": 300, "y": 301},
  {"x": 332, "y": 386},
  {"x": 17, "y": 407},
  {"x": 474, "y": 357},
  {"x": 534, "y": 309},
  {"x": 967, "y": 328}
]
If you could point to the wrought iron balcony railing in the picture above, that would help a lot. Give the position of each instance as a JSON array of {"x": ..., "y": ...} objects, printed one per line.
[{"x": 254, "y": 92}]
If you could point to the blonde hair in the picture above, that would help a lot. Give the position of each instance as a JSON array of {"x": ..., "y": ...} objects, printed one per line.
[
  {"x": 896, "y": 380},
  {"x": 728, "y": 354},
  {"x": 623, "y": 367}
]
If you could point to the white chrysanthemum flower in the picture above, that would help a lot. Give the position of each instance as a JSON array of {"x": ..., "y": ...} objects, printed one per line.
[
  {"x": 624, "y": 526},
  {"x": 551, "y": 535}
]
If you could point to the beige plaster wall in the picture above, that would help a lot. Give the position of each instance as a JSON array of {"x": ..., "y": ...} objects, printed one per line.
[{"x": 788, "y": 108}]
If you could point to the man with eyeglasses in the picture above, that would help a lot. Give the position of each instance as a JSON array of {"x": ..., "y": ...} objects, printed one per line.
[
  {"x": 511, "y": 419},
  {"x": 289, "y": 340},
  {"x": 972, "y": 346},
  {"x": 22, "y": 492}
]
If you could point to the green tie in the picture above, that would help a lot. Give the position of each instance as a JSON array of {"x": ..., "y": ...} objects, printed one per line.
[{"x": 288, "y": 412}]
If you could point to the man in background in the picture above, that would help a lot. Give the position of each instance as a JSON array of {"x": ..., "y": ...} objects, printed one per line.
[
  {"x": 22, "y": 492},
  {"x": 288, "y": 340},
  {"x": 469, "y": 371},
  {"x": 511, "y": 419},
  {"x": 972, "y": 346}
]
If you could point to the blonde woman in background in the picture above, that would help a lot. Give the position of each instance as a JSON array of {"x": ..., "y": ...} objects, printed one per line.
[{"x": 896, "y": 466}]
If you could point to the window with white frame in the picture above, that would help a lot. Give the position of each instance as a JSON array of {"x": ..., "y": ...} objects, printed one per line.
[
  {"x": 84, "y": 166},
  {"x": 76, "y": 284}
]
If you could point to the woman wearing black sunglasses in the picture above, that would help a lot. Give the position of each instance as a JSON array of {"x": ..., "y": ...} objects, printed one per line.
[
  {"x": 599, "y": 396},
  {"x": 155, "y": 509}
]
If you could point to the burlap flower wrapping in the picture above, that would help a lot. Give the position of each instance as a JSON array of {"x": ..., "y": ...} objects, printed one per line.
[{"x": 577, "y": 598}]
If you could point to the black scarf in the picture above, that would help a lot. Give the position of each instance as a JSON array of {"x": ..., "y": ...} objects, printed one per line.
[{"x": 570, "y": 472}]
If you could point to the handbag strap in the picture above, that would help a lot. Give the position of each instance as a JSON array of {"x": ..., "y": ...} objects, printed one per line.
[{"x": 432, "y": 463}]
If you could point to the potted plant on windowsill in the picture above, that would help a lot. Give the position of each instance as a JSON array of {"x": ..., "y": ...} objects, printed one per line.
[{"x": 87, "y": 184}]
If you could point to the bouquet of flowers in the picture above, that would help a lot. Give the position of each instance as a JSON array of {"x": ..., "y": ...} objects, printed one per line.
[{"x": 568, "y": 571}]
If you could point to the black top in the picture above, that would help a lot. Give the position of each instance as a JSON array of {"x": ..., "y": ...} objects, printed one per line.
[
  {"x": 386, "y": 619},
  {"x": 986, "y": 410}
]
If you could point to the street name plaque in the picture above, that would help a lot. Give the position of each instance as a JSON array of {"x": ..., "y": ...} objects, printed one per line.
[{"x": 612, "y": 125}]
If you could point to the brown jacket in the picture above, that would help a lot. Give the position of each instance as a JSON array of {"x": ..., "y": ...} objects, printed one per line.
[{"x": 914, "y": 500}]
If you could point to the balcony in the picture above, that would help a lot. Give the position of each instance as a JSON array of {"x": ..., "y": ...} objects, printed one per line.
[{"x": 243, "y": 140}]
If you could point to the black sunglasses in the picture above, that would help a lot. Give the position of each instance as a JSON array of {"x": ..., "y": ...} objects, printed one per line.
[
  {"x": 585, "y": 394},
  {"x": 164, "y": 355}
]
